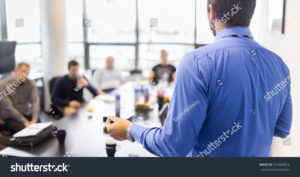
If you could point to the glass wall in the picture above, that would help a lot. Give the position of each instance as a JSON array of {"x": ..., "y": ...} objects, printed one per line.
[
  {"x": 132, "y": 31},
  {"x": 167, "y": 21},
  {"x": 23, "y": 26},
  {"x": 204, "y": 34},
  {"x": 111, "y": 21},
  {"x": 74, "y": 14},
  {"x": 124, "y": 56}
]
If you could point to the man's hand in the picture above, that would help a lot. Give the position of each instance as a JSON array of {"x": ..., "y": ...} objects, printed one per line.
[
  {"x": 74, "y": 104},
  {"x": 117, "y": 128},
  {"x": 83, "y": 82},
  {"x": 100, "y": 92},
  {"x": 27, "y": 123},
  {"x": 34, "y": 120}
]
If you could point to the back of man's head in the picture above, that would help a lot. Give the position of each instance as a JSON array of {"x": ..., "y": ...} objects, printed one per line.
[{"x": 234, "y": 12}]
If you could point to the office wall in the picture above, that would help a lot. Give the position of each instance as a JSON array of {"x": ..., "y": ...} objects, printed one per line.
[{"x": 287, "y": 46}]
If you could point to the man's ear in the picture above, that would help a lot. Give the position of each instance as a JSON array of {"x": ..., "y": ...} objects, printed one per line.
[{"x": 212, "y": 13}]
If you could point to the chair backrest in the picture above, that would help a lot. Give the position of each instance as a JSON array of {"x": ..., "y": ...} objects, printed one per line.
[
  {"x": 136, "y": 71},
  {"x": 7, "y": 56},
  {"x": 1, "y": 121},
  {"x": 93, "y": 71},
  {"x": 52, "y": 83}
]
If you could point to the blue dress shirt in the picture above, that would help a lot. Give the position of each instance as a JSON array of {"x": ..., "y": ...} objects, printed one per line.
[{"x": 230, "y": 99}]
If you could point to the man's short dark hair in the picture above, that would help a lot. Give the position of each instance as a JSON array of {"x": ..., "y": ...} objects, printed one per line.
[
  {"x": 224, "y": 9},
  {"x": 72, "y": 63}
]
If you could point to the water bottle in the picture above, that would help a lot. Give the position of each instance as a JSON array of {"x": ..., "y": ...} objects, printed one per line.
[{"x": 118, "y": 105}]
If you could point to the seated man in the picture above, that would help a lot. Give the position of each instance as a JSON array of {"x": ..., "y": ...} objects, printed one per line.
[
  {"x": 67, "y": 93},
  {"x": 19, "y": 100},
  {"x": 107, "y": 79},
  {"x": 163, "y": 71}
]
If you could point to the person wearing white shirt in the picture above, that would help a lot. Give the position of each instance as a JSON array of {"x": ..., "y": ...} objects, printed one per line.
[{"x": 107, "y": 79}]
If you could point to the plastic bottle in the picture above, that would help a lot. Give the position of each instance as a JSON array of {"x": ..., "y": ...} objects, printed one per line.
[{"x": 118, "y": 105}]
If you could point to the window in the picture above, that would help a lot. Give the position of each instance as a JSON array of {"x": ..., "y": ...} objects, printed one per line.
[
  {"x": 0, "y": 25},
  {"x": 23, "y": 26},
  {"x": 150, "y": 54},
  {"x": 204, "y": 34},
  {"x": 75, "y": 33},
  {"x": 23, "y": 20},
  {"x": 111, "y": 29},
  {"x": 111, "y": 21},
  {"x": 30, "y": 53},
  {"x": 256, "y": 26},
  {"x": 76, "y": 51},
  {"x": 124, "y": 56},
  {"x": 167, "y": 21},
  {"x": 74, "y": 13}
]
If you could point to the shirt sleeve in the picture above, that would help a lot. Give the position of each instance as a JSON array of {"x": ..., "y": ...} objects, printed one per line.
[
  {"x": 284, "y": 122},
  {"x": 92, "y": 89},
  {"x": 173, "y": 69},
  {"x": 57, "y": 92},
  {"x": 155, "y": 68},
  {"x": 96, "y": 79},
  {"x": 185, "y": 118},
  {"x": 35, "y": 100},
  {"x": 121, "y": 79},
  {"x": 7, "y": 104}
]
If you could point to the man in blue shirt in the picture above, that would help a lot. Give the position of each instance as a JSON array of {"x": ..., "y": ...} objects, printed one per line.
[{"x": 230, "y": 97}]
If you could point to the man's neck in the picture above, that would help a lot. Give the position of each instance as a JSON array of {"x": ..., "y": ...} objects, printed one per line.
[
  {"x": 220, "y": 28},
  {"x": 70, "y": 77}
]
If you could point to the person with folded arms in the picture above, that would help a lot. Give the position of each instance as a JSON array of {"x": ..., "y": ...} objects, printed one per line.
[{"x": 221, "y": 106}]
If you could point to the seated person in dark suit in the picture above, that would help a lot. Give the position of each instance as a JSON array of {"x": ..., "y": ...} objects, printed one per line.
[
  {"x": 19, "y": 100},
  {"x": 67, "y": 93},
  {"x": 163, "y": 71}
]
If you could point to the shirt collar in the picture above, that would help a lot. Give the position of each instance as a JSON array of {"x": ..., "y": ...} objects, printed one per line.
[{"x": 233, "y": 31}]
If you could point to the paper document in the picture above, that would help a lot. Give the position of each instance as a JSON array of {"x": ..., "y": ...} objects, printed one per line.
[{"x": 33, "y": 129}]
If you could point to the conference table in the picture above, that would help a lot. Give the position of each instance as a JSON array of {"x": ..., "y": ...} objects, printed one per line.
[{"x": 85, "y": 135}]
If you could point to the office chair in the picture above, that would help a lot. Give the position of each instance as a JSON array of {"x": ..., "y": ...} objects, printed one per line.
[
  {"x": 93, "y": 71},
  {"x": 7, "y": 57},
  {"x": 136, "y": 71},
  {"x": 3, "y": 129},
  {"x": 54, "y": 111},
  {"x": 7, "y": 64}
]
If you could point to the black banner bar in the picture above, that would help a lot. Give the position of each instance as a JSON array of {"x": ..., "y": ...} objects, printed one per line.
[{"x": 184, "y": 167}]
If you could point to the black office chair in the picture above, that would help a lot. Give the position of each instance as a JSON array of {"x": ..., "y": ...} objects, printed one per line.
[
  {"x": 7, "y": 64},
  {"x": 93, "y": 71},
  {"x": 3, "y": 129},
  {"x": 54, "y": 111},
  {"x": 52, "y": 83},
  {"x": 136, "y": 71},
  {"x": 7, "y": 58}
]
